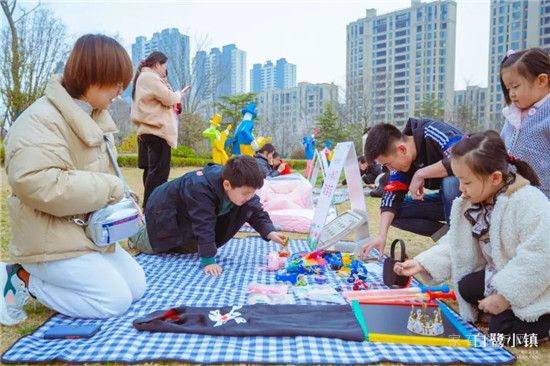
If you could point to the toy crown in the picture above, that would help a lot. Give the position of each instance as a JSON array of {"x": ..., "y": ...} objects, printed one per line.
[{"x": 422, "y": 322}]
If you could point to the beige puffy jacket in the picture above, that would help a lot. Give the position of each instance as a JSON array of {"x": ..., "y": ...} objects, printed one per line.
[
  {"x": 153, "y": 107},
  {"x": 57, "y": 166}
]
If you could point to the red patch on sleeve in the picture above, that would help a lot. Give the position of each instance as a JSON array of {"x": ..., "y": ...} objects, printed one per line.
[{"x": 396, "y": 186}]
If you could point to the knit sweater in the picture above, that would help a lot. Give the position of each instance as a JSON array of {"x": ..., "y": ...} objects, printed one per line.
[{"x": 531, "y": 141}]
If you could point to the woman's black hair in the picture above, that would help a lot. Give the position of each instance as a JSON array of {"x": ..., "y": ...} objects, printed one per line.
[{"x": 150, "y": 61}]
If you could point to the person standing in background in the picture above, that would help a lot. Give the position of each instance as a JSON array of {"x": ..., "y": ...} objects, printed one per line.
[{"x": 153, "y": 106}]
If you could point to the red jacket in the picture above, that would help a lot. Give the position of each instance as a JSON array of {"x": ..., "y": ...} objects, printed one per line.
[{"x": 286, "y": 170}]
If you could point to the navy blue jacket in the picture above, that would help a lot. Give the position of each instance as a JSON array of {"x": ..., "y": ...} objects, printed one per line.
[
  {"x": 265, "y": 167},
  {"x": 432, "y": 139},
  {"x": 184, "y": 211}
]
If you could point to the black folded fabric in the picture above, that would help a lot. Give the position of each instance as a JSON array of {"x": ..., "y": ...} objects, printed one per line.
[{"x": 328, "y": 321}]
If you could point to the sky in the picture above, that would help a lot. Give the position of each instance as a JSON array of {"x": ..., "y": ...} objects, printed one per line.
[{"x": 310, "y": 34}]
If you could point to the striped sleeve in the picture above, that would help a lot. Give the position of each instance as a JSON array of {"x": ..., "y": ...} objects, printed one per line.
[
  {"x": 440, "y": 137},
  {"x": 395, "y": 191}
]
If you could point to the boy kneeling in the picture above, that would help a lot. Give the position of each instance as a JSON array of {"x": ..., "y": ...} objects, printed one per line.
[{"x": 202, "y": 210}]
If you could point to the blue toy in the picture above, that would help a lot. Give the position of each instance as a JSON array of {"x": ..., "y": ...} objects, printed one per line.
[
  {"x": 287, "y": 277},
  {"x": 244, "y": 141}
]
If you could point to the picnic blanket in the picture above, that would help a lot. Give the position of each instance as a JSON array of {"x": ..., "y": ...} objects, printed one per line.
[{"x": 177, "y": 280}]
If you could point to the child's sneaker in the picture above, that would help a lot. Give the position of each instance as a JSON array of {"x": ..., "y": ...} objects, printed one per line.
[{"x": 14, "y": 295}]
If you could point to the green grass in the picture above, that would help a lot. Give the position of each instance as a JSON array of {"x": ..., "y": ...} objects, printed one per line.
[{"x": 38, "y": 313}]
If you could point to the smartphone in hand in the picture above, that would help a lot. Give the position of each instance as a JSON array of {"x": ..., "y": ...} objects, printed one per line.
[{"x": 71, "y": 331}]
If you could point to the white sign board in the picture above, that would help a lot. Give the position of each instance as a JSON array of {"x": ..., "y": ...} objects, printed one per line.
[{"x": 346, "y": 159}]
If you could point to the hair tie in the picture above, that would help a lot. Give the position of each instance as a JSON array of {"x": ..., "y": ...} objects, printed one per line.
[
  {"x": 142, "y": 63},
  {"x": 466, "y": 136},
  {"x": 510, "y": 53},
  {"x": 511, "y": 158}
]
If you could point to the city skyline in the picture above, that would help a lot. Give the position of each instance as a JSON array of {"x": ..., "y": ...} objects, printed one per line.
[{"x": 312, "y": 40}]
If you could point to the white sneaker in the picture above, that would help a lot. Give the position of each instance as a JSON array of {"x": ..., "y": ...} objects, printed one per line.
[{"x": 14, "y": 295}]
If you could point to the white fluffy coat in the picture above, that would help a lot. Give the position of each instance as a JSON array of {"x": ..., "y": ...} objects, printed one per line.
[{"x": 520, "y": 241}]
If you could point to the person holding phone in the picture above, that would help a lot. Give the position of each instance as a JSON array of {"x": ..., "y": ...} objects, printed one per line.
[
  {"x": 153, "y": 106},
  {"x": 59, "y": 170}
]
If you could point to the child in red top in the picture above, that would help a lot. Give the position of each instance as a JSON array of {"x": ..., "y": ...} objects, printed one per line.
[{"x": 277, "y": 162}]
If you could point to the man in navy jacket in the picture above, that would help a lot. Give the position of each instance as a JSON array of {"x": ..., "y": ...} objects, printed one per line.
[
  {"x": 418, "y": 158},
  {"x": 202, "y": 210}
]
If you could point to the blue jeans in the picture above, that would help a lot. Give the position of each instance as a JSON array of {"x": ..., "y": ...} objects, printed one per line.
[{"x": 427, "y": 216}]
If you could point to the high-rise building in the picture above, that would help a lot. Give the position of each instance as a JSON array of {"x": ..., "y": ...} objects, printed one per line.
[
  {"x": 220, "y": 73},
  {"x": 285, "y": 74},
  {"x": 200, "y": 76},
  {"x": 515, "y": 25},
  {"x": 472, "y": 101},
  {"x": 289, "y": 114},
  {"x": 396, "y": 61},
  {"x": 175, "y": 46},
  {"x": 256, "y": 78},
  {"x": 233, "y": 70},
  {"x": 282, "y": 75}
]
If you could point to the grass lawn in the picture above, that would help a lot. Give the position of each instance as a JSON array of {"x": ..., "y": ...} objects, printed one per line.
[{"x": 38, "y": 313}]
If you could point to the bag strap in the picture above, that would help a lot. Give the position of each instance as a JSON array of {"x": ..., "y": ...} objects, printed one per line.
[
  {"x": 115, "y": 164},
  {"x": 402, "y": 245}
]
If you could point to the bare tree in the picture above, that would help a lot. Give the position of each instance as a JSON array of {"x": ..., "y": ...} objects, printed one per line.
[
  {"x": 120, "y": 113},
  {"x": 30, "y": 47}
]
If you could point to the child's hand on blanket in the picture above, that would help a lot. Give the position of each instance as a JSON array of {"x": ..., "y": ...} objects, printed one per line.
[
  {"x": 213, "y": 269},
  {"x": 494, "y": 304},
  {"x": 276, "y": 237},
  {"x": 409, "y": 268}
]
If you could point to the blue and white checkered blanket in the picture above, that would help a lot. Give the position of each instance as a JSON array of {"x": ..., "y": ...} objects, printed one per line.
[{"x": 175, "y": 280}]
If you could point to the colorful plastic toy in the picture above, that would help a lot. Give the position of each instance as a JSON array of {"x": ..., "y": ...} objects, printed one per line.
[
  {"x": 274, "y": 262},
  {"x": 284, "y": 248},
  {"x": 309, "y": 146},
  {"x": 301, "y": 280},
  {"x": 327, "y": 150},
  {"x": 308, "y": 263},
  {"x": 217, "y": 139},
  {"x": 286, "y": 277},
  {"x": 358, "y": 284},
  {"x": 244, "y": 141}
]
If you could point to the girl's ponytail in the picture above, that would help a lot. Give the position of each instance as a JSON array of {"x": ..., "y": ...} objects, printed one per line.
[
  {"x": 138, "y": 71},
  {"x": 525, "y": 170},
  {"x": 150, "y": 61}
]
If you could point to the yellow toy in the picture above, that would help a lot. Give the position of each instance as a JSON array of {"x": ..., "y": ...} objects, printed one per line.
[{"x": 217, "y": 139}]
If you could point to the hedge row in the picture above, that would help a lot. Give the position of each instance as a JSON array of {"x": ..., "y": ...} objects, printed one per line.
[{"x": 132, "y": 161}]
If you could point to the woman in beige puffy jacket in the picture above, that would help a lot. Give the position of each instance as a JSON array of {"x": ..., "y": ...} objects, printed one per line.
[
  {"x": 153, "y": 111},
  {"x": 58, "y": 168}
]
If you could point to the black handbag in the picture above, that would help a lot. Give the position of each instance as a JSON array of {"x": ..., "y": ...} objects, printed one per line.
[{"x": 391, "y": 278}]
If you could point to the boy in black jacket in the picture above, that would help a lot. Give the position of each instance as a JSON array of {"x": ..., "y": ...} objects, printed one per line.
[
  {"x": 202, "y": 210},
  {"x": 418, "y": 157}
]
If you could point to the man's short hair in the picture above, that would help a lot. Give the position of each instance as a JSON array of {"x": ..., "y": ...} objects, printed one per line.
[
  {"x": 243, "y": 171},
  {"x": 380, "y": 141}
]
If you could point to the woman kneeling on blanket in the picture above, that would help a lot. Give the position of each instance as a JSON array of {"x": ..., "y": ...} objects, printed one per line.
[
  {"x": 58, "y": 169},
  {"x": 497, "y": 251}
]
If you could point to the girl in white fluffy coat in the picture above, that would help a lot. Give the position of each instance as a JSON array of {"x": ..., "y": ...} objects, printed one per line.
[{"x": 497, "y": 251}]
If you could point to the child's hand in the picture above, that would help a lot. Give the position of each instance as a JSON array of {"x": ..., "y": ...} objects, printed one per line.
[
  {"x": 281, "y": 167},
  {"x": 494, "y": 304},
  {"x": 408, "y": 268},
  {"x": 276, "y": 237},
  {"x": 213, "y": 269}
]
